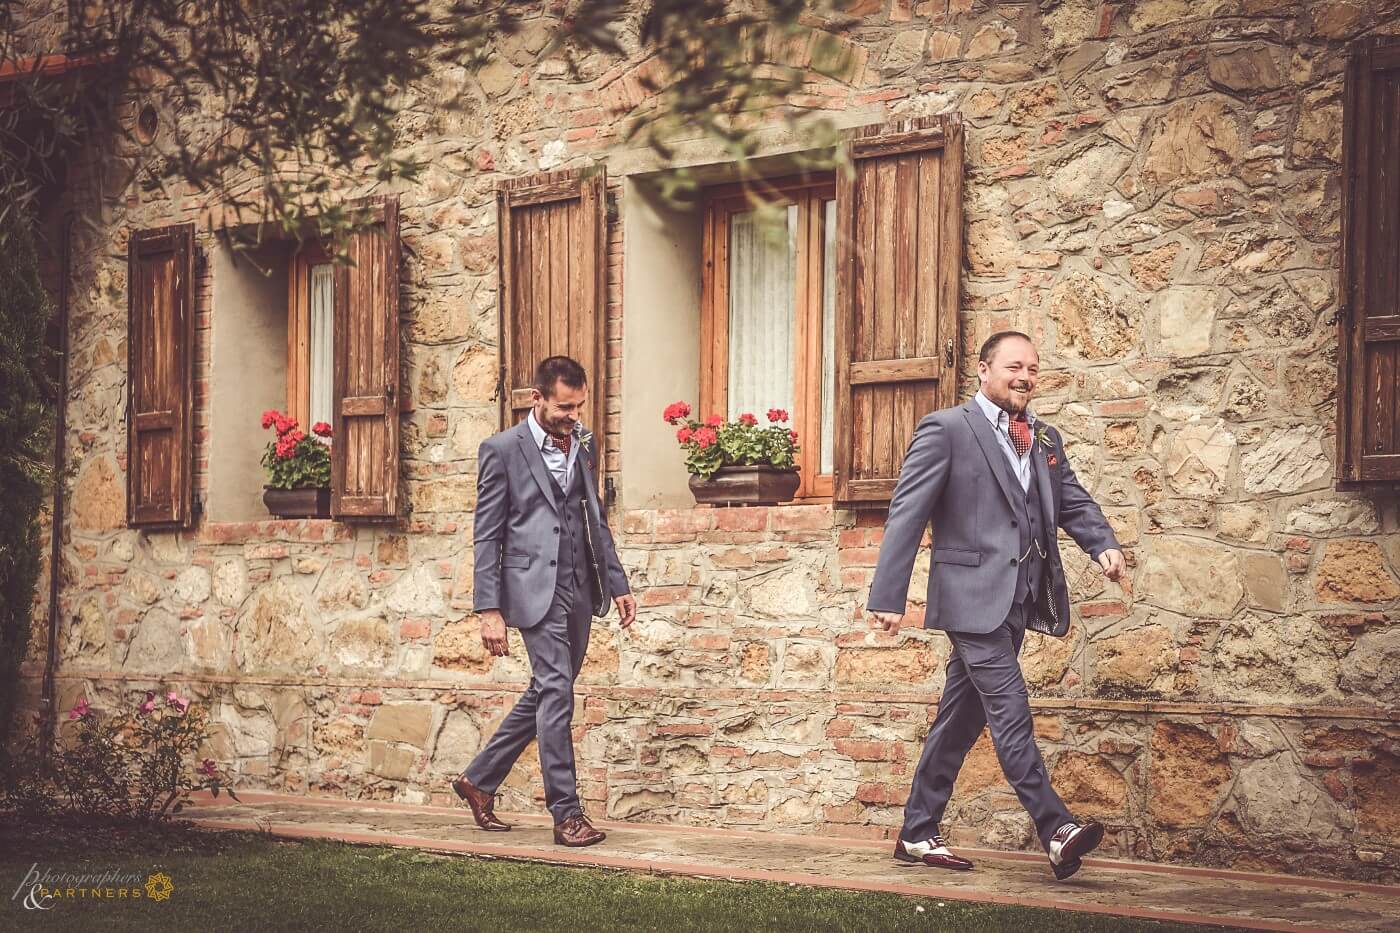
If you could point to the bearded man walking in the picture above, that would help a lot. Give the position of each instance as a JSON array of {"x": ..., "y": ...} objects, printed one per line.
[
  {"x": 545, "y": 563},
  {"x": 995, "y": 484}
]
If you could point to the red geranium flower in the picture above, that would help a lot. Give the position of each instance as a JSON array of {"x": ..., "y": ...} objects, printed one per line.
[
  {"x": 675, "y": 412},
  {"x": 748, "y": 419},
  {"x": 705, "y": 437},
  {"x": 777, "y": 414},
  {"x": 683, "y": 435},
  {"x": 321, "y": 429},
  {"x": 285, "y": 424},
  {"x": 270, "y": 416},
  {"x": 714, "y": 421},
  {"x": 792, "y": 436}
]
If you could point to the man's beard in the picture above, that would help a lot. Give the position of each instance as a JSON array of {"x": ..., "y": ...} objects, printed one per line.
[
  {"x": 1010, "y": 404},
  {"x": 559, "y": 428}
]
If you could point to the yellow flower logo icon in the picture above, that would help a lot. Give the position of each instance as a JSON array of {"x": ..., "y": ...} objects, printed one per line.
[{"x": 159, "y": 886}]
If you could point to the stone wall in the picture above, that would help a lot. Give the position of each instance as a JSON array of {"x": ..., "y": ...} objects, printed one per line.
[{"x": 1152, "y": 191}]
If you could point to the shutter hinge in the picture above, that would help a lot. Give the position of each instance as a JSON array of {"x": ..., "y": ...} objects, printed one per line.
[
  {"x": 948, "y": 353},
  {"x": 500, "y": 385}
]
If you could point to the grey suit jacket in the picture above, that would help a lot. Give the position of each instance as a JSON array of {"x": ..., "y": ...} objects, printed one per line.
[
  {"x": 956, "y": 476},
  {"x": 516, "y": 531}
]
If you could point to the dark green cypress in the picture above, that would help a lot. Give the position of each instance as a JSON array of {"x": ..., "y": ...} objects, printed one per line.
[{"x": 26, "y": 447}]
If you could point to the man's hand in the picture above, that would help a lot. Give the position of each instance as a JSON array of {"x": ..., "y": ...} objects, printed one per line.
[
  {"x": 885, "y": 621},
  {"x": 1112, "y": 563},
  {"x": 627, "y": 606},
  {"x": 493, "y": 633}
]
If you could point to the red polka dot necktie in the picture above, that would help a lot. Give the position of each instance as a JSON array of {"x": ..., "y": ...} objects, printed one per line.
[
  {"x": 1020, "y": 435},
  {"x": 563, "y": 443}
]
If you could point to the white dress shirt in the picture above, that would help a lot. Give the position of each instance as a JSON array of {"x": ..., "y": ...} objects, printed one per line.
[
  {"x": 1001, "y": 421},
  {"x": 559, "y": 466}
]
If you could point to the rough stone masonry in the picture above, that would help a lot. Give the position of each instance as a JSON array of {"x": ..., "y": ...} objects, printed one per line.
[{"x": 1152, "y": 190}]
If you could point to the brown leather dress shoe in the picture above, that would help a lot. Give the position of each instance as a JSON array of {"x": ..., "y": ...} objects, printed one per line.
[
  {"x": 576, "y": 831},
  {"x": 932, "y": 852},
  {"x": 483, "y": 805}
]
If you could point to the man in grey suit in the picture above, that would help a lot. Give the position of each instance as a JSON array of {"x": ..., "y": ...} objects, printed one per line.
[
  {"x": 545, "y": 564},
  {"x": 995, "y": 484}
]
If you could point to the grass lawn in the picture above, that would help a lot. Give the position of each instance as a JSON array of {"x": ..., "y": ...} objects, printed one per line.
[{"x": 247, "y": 882}]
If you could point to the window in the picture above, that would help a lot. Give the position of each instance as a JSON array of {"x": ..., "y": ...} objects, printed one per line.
[
  {"x": 293, "y": 331},
  {"x": 844, "y": 311},
  {"x": 1368, "y": 338},
  {"x": 310, "y": 340},
  {"x": 768, "y": 308}
]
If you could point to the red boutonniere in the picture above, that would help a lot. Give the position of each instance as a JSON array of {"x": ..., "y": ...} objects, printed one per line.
[{"x": 1051, "y": 459}]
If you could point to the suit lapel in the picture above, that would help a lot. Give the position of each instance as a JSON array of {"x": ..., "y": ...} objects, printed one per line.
[
  {"x": 535, "y": 461},
  {"x": 991, "y": 448},
  {"x": 1042, "y": 478}
]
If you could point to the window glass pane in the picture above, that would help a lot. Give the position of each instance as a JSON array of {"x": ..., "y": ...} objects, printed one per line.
[
  {"x": 322, "y": 313},
  {"x": 762, "y": 313},
  {"x": 828, "y": 428}
]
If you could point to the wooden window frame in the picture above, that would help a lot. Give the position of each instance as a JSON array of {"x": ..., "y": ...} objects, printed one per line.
[
  {"x": 721, "y": 203},
  {"x": 311, "y": 253}
]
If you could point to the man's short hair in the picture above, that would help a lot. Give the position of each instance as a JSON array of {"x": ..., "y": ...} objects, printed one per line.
[
  {"x": 555, "y": 369},
  {"x": 989, "y": 346}
]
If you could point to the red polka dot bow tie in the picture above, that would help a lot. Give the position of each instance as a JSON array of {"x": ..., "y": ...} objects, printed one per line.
[{"x": 1020, "y": 435}]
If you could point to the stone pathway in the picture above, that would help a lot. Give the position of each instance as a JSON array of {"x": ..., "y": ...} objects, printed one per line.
[{"x": 1133, "y": 889}]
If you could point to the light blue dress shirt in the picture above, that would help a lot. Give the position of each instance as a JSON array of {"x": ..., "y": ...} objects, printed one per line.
[
  {"x": 1001, "y": 421},
  {"x": 559, "y": 466}
]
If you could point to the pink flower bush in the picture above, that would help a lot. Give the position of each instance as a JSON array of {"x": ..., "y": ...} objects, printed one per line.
[{"x": 80, "y": 710}]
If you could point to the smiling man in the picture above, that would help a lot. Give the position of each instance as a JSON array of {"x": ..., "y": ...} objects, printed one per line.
[
  {"x": 995, "y": 484},
  {"x": 544, "y": 564}
]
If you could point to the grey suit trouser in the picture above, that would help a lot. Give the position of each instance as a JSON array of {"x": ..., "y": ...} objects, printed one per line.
[
  {"x": 984, "y": 686},
  {"x": 545, "y": 710}
]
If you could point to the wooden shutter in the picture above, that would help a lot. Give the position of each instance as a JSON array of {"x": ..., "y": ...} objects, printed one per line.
[
  {"x": 160, "y": 378},
  {"x": 365, "y": 398},
  {"x": 553, "y": 282},
  {"x": 1368, "y": 322},
  {"x": 899, "y": 258}
]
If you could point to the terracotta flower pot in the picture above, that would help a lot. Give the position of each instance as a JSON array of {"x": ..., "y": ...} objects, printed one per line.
[
  {"x": 746, "y": 485},
  {"x": 301, "y": 502}
]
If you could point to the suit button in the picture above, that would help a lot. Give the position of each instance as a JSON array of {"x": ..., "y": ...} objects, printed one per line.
[
  {"x": 552, "y": 563},
  {"x": 556, "y": 529},
  {"x": 1013, "y": 524},
  {"x": 1013, "y": 562}
]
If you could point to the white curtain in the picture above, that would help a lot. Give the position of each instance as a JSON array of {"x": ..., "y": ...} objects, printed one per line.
[
  {"x": 828, "y": 451},
  {"x": 762, "y": 312},
  {"x": 322, "y": 315}
]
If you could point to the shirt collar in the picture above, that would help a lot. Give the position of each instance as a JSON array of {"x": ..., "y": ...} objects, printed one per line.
[
  {"x": 542, "y": 437},
  {"x": 998, "y": 415},
  {"x": 540, "y": 434}
]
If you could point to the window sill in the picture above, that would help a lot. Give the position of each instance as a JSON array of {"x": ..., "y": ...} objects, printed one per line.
[{"x": 309, "y": 530}]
